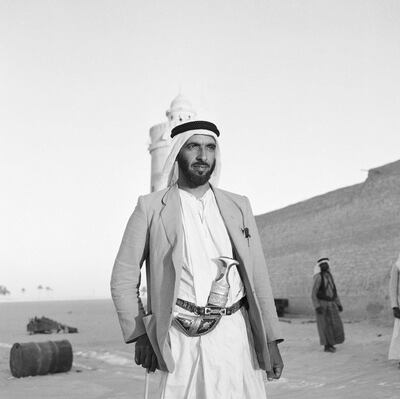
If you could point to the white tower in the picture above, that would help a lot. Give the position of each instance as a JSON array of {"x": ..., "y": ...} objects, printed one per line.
[{"x": 180, "y": 111}]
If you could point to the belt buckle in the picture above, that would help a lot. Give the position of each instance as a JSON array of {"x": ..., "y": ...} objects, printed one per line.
[
  {"x": 207, "y": 311},
  {"x": 222, "y": 312}
]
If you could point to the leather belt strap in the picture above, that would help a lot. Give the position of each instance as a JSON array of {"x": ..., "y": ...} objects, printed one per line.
[{"x": 211, "y": 310}]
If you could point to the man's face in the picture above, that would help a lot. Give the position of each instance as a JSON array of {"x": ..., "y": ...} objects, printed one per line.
[
  {"x": 196, "y": 159},
  {"x": 324, "y": 267}
]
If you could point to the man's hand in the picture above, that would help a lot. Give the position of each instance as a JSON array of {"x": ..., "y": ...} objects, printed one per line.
[
  {"x": 144, "y": 354},
  {"x": 276, "y": 362},
  {"x": 396, "y": 312},
  {"x": 319, "y": 310}
]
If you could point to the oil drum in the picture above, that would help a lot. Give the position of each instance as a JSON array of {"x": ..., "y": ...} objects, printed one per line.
[{"x": 40, "y": 358}]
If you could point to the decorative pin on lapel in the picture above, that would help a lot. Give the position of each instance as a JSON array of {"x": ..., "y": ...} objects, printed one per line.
[{"x": 246, "y": 233}]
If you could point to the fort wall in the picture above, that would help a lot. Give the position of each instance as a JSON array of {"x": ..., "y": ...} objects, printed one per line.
[{"x": 357, "y": 227}]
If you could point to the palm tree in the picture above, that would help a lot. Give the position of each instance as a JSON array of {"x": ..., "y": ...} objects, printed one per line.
[
  {"x": 4, "y": 290},
  {"x": 40, "y": 289}
]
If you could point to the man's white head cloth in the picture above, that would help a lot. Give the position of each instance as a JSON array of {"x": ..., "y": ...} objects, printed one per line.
[{"x": 182, "y": 133}]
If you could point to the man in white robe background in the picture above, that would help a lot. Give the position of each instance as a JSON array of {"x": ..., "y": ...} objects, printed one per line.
[
  {"x": 179, "y": 232},
  {"x": 394, "y": 294}
]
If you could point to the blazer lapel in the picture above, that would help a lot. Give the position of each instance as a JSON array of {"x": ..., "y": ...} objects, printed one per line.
[
  {"x": 171, "y": 214},
  {"x": 232, "y": 215},
  {"x": 172, "y": 221}
]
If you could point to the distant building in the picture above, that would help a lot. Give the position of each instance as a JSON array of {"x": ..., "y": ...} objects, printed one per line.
[
  {"x": 357, "y": 227},
  {"x": 180, "y": 111}
]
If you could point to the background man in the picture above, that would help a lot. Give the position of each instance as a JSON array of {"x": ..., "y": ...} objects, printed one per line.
[
  {"x": 180, "y": 232},
  {"x": 394, "y": 293},
  {"x": 327, "y": 307}
]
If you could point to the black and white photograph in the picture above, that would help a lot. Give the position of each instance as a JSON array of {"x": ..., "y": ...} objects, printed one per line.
[{"x": 200, "y": 199}]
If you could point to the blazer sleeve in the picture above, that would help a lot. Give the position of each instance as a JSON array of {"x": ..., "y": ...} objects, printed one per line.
[
  {"x": 125, "y": 276},
  {"x": 394, "y": 287},
  {"x": 262, "y": 283}
]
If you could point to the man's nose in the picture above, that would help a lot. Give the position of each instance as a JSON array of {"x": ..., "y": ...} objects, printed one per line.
[{"x": 202, "y": 155}]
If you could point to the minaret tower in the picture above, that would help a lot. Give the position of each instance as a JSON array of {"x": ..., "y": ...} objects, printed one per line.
[{"x": 180, "y": 111}]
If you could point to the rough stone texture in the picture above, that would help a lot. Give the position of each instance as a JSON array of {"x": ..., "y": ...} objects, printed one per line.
[{"x": 357, "y": 227}]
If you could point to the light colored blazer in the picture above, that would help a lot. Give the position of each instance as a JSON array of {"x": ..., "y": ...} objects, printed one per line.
[{"x": 154, "y": 235}]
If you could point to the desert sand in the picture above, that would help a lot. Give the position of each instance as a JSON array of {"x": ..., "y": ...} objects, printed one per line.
[{"x": 103, "y": 365}]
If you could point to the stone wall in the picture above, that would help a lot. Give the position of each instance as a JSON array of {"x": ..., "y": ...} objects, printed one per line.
[{"x": 357, "y": 227}]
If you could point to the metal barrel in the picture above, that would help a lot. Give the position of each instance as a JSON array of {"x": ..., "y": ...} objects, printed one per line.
[{"x": 40, "y": 358}]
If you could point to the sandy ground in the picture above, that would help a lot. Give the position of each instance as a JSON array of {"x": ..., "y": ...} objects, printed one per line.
[{"x": 359, "y": 369}]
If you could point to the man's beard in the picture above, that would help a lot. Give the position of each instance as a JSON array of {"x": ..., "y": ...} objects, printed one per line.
[{"x": 192, "y": 178}]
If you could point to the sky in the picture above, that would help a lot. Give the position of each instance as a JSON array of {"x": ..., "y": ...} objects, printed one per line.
[{"x": 306, "y": 94}]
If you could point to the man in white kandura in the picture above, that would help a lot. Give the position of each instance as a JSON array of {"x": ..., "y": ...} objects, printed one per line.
[
  {"x": 211, "y": 326},
  {"x": 394, "y": 293}
]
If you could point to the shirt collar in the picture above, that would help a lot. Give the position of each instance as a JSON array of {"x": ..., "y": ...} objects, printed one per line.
[{"x": 205, "y": 196}]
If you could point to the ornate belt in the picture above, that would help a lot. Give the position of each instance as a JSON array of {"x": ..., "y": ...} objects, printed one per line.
[
  {"x": 211, "y": 310},
  {"x": 205, "y": 318}
]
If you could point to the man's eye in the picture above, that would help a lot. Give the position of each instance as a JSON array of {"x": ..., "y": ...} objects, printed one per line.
[{"x": 211, "y": 147}]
